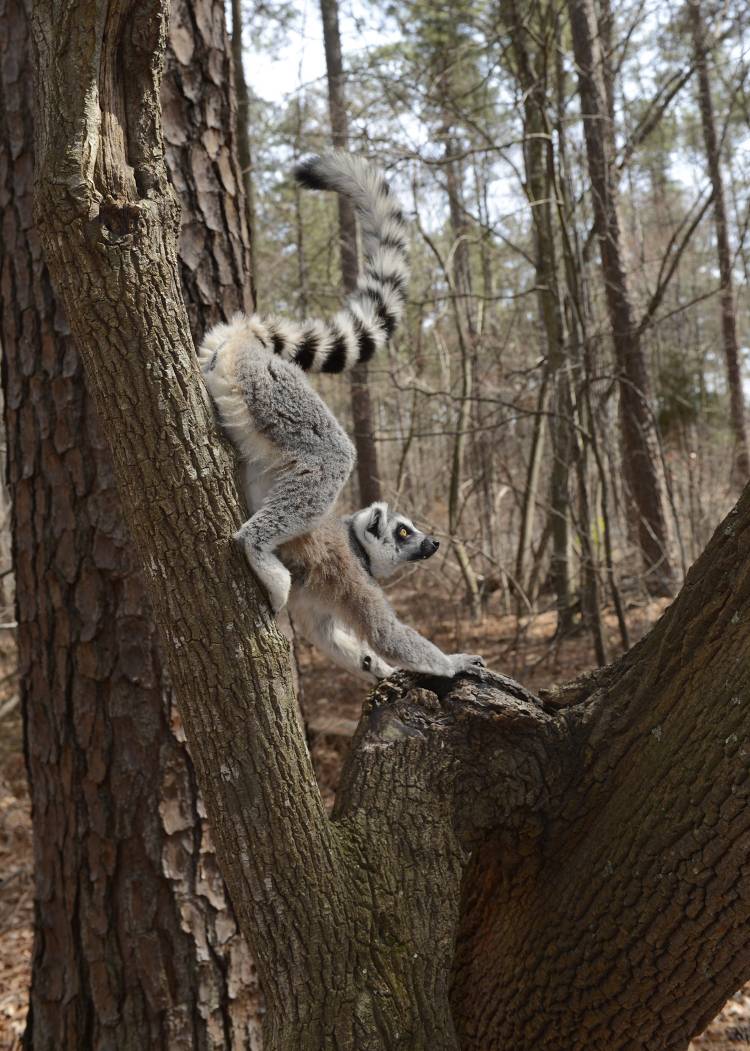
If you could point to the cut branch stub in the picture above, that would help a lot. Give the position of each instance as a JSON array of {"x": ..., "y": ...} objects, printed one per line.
[
  {"x": 484, "y": 743},
  {"x": 436, "y": 765}
]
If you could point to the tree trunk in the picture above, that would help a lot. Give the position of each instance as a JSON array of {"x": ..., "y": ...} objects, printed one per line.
[
  {"x": 539, "y": 169},
  {"x": 638, "y": 434},
  {"x": 467, "y": 334},
  {"x": 244, "y": 148},
  {"x": 530, "y": 492},
  {"x": 582, "y": 350},
  {"x": 136, "y": 944},
  {"x": 368, "y": 474},
  {"x": 619, "y": 919},
  {"x": 201, "y": 151},
  {"x": 591, "y": 862},
  {"x": 741, "y": 458}
]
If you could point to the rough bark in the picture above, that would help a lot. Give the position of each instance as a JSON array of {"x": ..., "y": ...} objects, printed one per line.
[
  {"x": 110, "y": 223},
  {"x": 244, "y": 147},
  {"x": 202, "y": 156},
  {"x": 639, "y": 452},
  {"x": 595, "y": 858},
  {"x": 741, "y": 457},
  {"x": 136, "y": 945},
  {"x": 368, "y": 474},
  {"x": 620, "y": 919}
]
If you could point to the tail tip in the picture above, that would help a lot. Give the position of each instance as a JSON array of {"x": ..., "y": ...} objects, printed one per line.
[{"x": 308, "y": 173}]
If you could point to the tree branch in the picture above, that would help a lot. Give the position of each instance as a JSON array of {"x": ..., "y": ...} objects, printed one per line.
[
  {"x": 667, "y": 269},
  {"x": 626, "y": 910},
  {"x": 657, "y": 107}
]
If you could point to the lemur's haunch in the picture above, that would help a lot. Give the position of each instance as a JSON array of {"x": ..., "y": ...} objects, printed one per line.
[{"x": 295, "y": 457}]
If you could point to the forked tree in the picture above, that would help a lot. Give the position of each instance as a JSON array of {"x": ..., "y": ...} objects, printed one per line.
[{"x": 498, "y": 872}]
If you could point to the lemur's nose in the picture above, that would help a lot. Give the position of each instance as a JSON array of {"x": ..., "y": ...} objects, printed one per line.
[{"x": 429, "y": 547}]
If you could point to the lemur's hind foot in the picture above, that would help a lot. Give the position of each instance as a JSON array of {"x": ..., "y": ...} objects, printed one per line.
[{"x": 270, "y": 570}]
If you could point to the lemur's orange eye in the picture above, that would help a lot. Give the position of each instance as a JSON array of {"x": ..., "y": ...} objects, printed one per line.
[{"x": 403, "y": 533}]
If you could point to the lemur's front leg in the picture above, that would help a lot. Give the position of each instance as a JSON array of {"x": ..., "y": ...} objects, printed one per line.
[
  {"x": 349, "y": 652},
  {"x": 408, "y": 649},
  {"x": 401, "y": 645}
]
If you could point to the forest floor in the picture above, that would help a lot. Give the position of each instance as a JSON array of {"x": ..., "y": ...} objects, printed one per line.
[{"x": 524, "y": 648}]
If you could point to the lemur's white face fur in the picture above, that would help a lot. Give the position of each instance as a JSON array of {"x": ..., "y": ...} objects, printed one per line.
[{"x": 389, "y": 539}]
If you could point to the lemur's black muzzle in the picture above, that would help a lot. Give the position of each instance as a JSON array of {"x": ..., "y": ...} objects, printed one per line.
[{"x": 428, "y": 547}]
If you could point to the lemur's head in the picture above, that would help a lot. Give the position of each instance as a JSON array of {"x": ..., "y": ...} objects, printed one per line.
[{"x": 388, "y": 539}]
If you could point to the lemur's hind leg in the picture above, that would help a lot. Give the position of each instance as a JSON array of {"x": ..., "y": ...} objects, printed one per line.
[
  {"x": 301, "y": 450},
  {"x": 301, "y": 495}
]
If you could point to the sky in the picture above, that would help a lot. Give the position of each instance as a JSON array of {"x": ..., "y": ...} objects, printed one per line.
[
  {"x": 297, "y": 61},
  {"x": 275, "y": 73}
]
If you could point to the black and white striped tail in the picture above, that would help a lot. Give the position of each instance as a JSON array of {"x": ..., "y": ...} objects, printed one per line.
[{"x": 374, "y": 309}]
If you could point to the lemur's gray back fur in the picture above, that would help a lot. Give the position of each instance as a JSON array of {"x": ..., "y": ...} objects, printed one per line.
[{"x": 372, "y": 312}]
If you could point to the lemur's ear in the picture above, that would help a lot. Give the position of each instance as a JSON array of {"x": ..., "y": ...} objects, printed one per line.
[{"x": 375, "y": 524}]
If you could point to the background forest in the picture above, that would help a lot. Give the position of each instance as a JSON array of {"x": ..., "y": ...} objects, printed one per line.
[{"x": 565, "y": 403}]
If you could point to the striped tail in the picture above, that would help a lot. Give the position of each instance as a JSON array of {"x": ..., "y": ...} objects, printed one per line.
[{"x": 376, "y": 306}]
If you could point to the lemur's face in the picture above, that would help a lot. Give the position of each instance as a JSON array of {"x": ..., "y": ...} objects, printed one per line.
[{"x": 390, "y": 539}]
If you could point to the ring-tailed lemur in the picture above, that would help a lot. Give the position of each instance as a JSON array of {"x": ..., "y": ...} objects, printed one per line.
[{"x": 296, "y": 458}]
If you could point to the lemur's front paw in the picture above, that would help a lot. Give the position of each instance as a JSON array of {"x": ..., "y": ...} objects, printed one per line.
[
  {"x": 466, "y": 662},
  {"x": 376, "y": 668}
]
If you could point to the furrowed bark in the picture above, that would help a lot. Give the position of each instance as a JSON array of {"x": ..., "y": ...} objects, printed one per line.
[
  {"x": 151, "y": 955},
  {"x": 244, "y": 148},
  {"x": 203, "y": 158},
  {"x": 110, "y": 224},
  {"x": 621, "y": 921}
]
